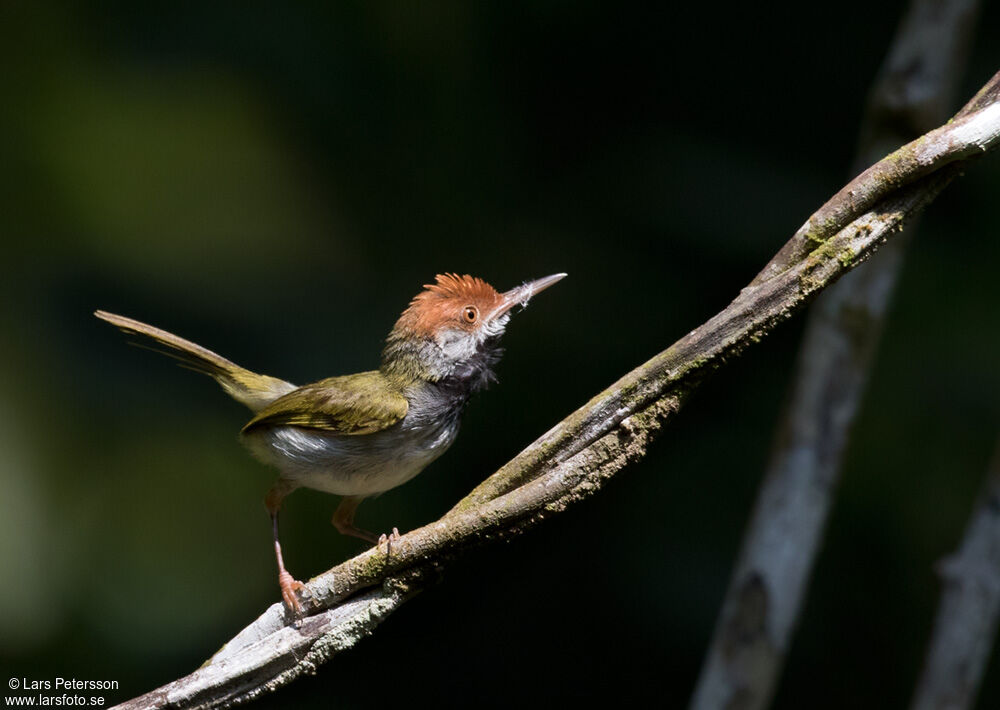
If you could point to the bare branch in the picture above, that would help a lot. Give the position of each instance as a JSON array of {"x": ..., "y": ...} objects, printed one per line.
[
  {"x": 762, "y": 604},
  {"x": 576, "y": 457},
  {"x": 966, "y": 624}
]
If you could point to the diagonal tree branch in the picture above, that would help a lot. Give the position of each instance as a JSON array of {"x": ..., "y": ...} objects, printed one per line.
[
  {"x": 911, "y": 95},
  {"x": 571, "y": 461},
  {"x": 966, "y": 624},
  {"x": 917, "y": 158}
]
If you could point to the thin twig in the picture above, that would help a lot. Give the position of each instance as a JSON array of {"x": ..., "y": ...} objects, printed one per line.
[
  {"x": 966, "y": 624},
  {"x": 744, "y": 660},
  {"x": 573, "y": 460}
]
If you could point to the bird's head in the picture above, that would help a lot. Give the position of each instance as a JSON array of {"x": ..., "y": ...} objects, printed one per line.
[{"x": 451, "y": 330}]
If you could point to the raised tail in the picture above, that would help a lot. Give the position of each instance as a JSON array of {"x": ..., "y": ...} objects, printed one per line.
[{"x": 249, "y": 388}]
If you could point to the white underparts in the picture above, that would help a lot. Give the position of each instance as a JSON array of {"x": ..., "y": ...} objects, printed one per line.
[{"x": 360, "y": 465}]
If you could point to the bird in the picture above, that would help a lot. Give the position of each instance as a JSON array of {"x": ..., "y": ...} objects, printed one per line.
[{"x": 360, "y": 435}]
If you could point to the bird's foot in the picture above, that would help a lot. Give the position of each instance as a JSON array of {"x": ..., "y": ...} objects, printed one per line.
[
  {"x": 388, "y": 540},
  {"x": 290, "y": 587}
]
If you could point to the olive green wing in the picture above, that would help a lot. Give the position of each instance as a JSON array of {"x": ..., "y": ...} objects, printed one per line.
[{"x": 353, "y": 404}]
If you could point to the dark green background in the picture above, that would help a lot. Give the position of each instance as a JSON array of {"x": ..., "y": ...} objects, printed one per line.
[{"x": 275, "y": 183}]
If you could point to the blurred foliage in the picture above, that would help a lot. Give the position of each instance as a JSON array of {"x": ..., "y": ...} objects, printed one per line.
[{"x": 276, "y": 182}]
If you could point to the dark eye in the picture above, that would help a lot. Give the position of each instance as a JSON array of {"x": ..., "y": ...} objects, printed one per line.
[{"x": 470, "y": 314}]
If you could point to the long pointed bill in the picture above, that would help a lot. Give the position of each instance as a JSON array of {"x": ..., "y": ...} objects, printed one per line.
[{"x": 520, "y": 295}]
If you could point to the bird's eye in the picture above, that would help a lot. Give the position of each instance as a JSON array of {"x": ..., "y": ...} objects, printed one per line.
[{"x": 470, "y": 314}]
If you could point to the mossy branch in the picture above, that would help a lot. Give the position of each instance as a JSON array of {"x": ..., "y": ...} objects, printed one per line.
[
  {"x": 572, "y": 461},
  {"x": 960, "y": 139},
  {"x": 912, "y": 94}
]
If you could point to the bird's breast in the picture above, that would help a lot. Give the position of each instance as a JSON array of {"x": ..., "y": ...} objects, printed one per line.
[{"x": 355, "y": 465}]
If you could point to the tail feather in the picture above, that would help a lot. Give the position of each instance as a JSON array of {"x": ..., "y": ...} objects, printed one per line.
[{"x": 249, "y": 388}]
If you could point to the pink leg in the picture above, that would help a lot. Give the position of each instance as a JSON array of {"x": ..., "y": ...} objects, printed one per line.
[
  {"x": 343, "y": 520},
  {"x": 289, "y": 585}
]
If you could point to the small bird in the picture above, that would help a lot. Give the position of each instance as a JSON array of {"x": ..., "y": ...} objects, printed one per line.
[{"x": 363, "y": 434}]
